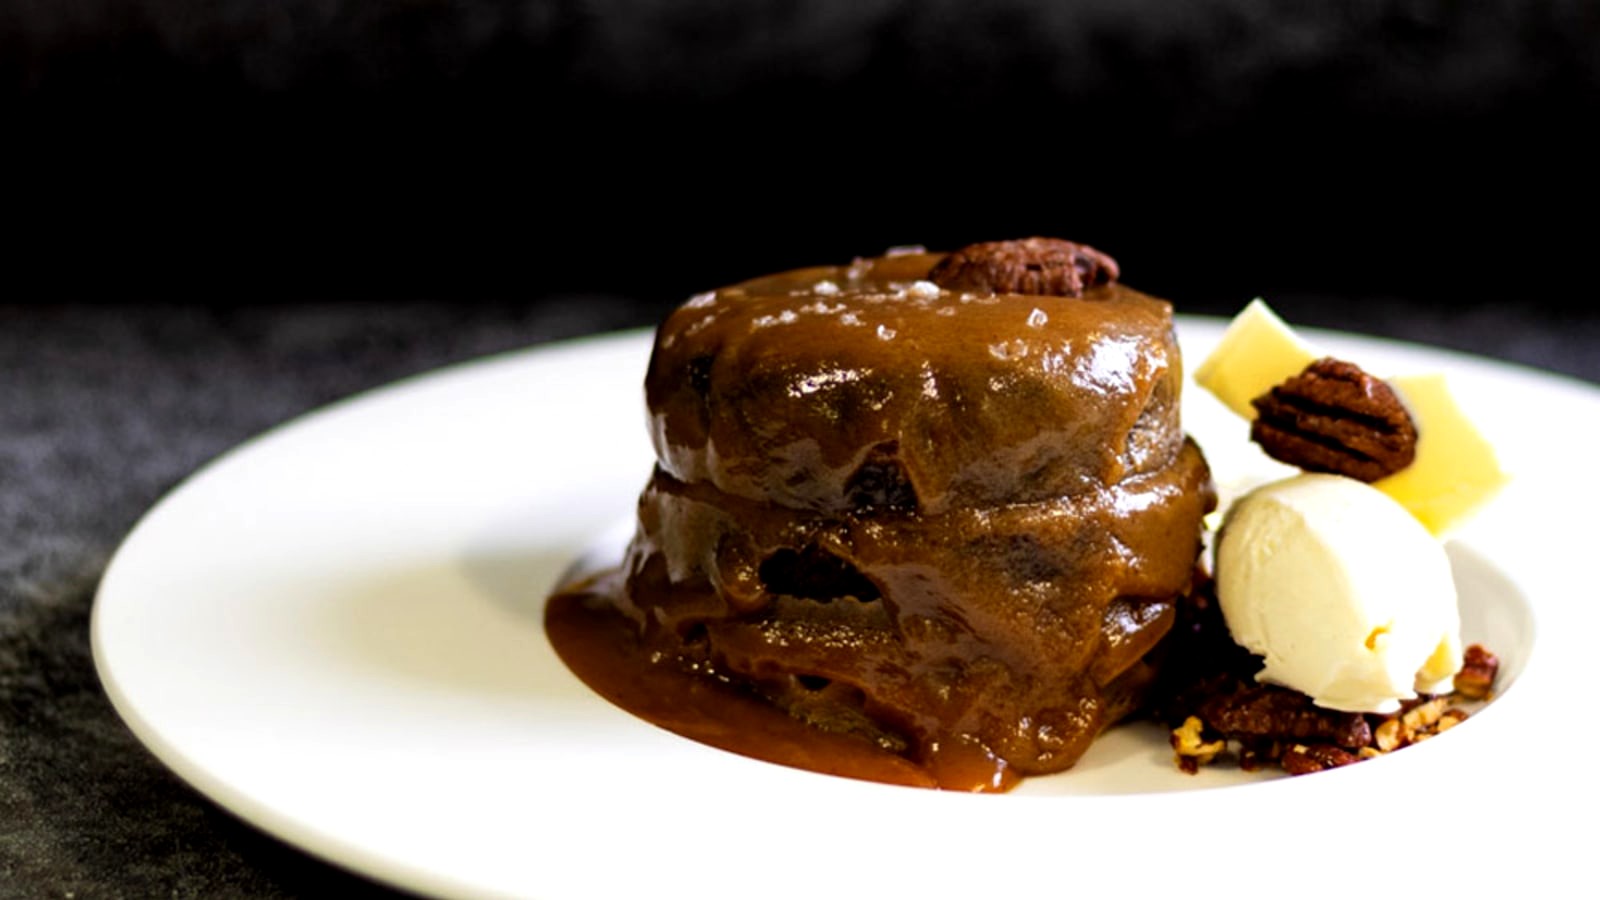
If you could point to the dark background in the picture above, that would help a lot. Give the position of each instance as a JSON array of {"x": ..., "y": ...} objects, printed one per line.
[
  {"x": 1435, "y": 151},
  {"x": 221, "y": 215}
]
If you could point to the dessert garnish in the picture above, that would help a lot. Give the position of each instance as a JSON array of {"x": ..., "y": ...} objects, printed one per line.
[
  {"x": 1341, "y": 592},
  {"x": 1332, "y": 586},
  {"x": 1216, "y": 711},
  {"x": 1044, "y": 266},
  {"x": 1454, "y": 470},
  {"x": 1334, "y": 417}
]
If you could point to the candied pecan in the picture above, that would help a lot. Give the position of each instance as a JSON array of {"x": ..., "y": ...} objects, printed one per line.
[
  {"x": 1302, "y": 759},
  {"x": 1030, "y": 266},
  {"x": 1271, "y": 712},
  {"x": 1478, "y": 670},
  {"x": 1333, "y": 417}
]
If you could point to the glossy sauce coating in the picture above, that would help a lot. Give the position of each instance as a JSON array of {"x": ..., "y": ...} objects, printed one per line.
[
  {"x": 946, "y": 529},
  {"x": 772, "y": 390}
]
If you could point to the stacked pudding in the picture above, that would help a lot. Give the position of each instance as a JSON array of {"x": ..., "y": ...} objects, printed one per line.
[{"x": 943, "y": 512}]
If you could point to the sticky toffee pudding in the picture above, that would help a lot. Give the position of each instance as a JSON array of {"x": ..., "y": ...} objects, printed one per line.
[{"x": 922, "y": 519}]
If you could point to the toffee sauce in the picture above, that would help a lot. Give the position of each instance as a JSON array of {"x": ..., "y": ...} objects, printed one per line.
[{"x": 603, "y": 648}]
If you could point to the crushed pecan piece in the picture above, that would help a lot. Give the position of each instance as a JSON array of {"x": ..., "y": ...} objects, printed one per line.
[
  {"x": 1334, "y": 417},
  {"x": 1302, "y": 759},
  {"x": 1030, "y": 266},
  {"x": 1389, "y": 736},
  {"x": 1190, "y": 748},
  {"x": 1423, "y": 716},
  {"x": 1417, "y": 721},
  {"x": 1478, "y": 670},
  {"x": 1215, "y": 710},
  {"x": 1270, "y": 712},
  {"x": 1452, "y": 717}
]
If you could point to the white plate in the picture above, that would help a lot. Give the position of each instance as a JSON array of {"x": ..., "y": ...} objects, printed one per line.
[{"x": 334, "y": 631}]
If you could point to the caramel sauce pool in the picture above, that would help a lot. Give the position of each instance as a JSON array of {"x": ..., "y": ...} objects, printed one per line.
[{"x": 603, "y": 649}]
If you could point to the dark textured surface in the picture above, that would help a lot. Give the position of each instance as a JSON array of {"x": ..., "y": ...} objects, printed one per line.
[{"x": 101, "y": 411}]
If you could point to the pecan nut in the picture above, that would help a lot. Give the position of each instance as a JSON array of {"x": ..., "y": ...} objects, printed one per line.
[
  {"x": 1478, "y": 670},
  {"x": 1334, "y": 417},
  {"x": 1303, "y": 760},
  {"x": 1267, "y": 712},
  {"x": 1030, "y": 266}
]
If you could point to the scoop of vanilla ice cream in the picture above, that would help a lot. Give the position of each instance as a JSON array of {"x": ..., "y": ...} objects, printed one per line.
[{"x": 1345, "y": 593}]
